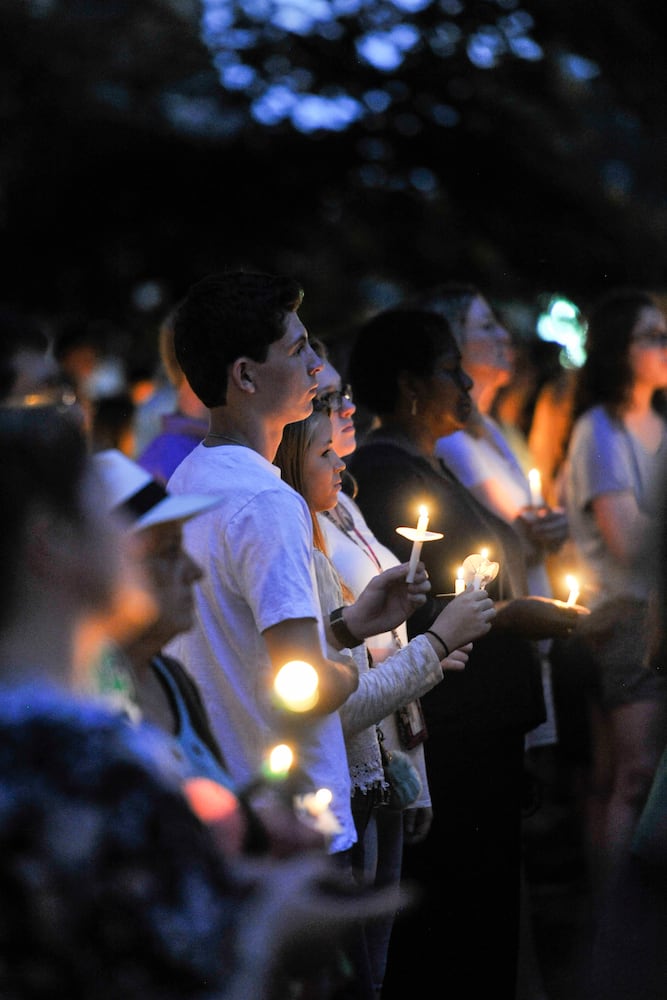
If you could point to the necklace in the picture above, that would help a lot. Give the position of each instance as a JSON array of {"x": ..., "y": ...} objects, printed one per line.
[
  {"x": 343, "y": 520},
  {"x": 226, "y": 437}
]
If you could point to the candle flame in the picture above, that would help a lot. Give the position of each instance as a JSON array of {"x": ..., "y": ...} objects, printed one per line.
[
  {"x": 535, "y": 486},
  {"x": 313, "y": 809},
  {"x": 280, "y": 759},
  {"x": 573, "y": 585},
  {"x": 323, "y": 797}
]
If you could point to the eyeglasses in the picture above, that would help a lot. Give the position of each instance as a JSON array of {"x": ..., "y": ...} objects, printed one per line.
[
  {"x": 338, "y": 399},
  {"x": 651, "y": 339},
  {"x": 321, "y": 406}
]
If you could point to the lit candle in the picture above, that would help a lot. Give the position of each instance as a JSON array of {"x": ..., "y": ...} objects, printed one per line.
[
  {"x": 422, "y": 526},
  {"x": 573, "y": 585},
  {"x": 317, "y": 802},
  {"x": 535, "y": 485},
  {"x": 277, "y": 763},
  {"x": 418, "y": 536},
  {"x": 280, "y": 759},
  {"x": 459, "y": 583},
  {"x": 314, "y": 809}
]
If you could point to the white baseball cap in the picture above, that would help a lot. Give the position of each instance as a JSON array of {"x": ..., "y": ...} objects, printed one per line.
[{"x": 134, "y": 494}]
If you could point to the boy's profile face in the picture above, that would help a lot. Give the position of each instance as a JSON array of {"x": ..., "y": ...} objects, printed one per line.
[{"x": 288, "y": 377}]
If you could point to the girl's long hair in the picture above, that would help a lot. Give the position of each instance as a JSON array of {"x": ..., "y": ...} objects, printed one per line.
[{"x": 290, "y": 459}]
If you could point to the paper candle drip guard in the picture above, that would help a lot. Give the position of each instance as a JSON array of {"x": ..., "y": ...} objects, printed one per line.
[{"x": 479, "y": 570}]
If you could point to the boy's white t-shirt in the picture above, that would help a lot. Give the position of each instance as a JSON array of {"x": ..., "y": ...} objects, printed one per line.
[{"x": 256, "y": 551}]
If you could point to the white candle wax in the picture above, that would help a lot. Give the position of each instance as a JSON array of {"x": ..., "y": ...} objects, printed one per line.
[
  {"x": 422, "y": 526},
  {"x": 535, "y": 485},
  {"x": 459, "y": 583}
]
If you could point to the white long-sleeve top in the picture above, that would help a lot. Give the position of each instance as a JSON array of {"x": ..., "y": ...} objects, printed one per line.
[
  {"x": 358, "y": 556},
  {"x": 407, "y": 674}
]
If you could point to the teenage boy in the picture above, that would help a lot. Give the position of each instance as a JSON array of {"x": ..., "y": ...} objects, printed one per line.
[{"x": 246, "y": 354}]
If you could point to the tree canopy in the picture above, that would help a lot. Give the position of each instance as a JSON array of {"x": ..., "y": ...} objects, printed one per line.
[{"x": 369, "y": 147}]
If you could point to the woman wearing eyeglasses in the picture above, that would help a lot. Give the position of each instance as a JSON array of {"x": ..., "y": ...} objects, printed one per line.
[{"x": 617, "y": 448}]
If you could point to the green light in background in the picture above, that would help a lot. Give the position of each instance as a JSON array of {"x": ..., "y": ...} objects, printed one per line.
[{"x": 562, "y": 323}]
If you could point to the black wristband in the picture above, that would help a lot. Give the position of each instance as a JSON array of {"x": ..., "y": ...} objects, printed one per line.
[
  {"x": 429, "y": 631},
  {"x": 341, "y": 631}
]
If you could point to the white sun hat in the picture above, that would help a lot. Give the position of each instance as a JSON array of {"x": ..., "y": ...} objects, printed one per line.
[{"x": 132, "y": 493}]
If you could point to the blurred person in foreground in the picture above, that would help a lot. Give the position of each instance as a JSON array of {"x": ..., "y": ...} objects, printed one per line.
[
  {"x": 101, "y": 859},
  {"x": 114, "y": 886},
  {"x": 60, "y": 553}
]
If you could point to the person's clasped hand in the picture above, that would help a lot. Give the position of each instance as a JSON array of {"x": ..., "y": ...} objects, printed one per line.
[
  {"x": 548, "y": 529},
  {"x": 387, "y": 601},
  {"x": 539, "y": 617}
]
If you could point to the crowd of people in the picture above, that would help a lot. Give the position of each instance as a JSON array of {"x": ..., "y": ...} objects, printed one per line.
[{"x": 262, "y": 737}]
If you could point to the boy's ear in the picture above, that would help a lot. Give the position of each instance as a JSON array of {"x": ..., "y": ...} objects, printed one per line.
[{"x": 241, "y": 374}]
